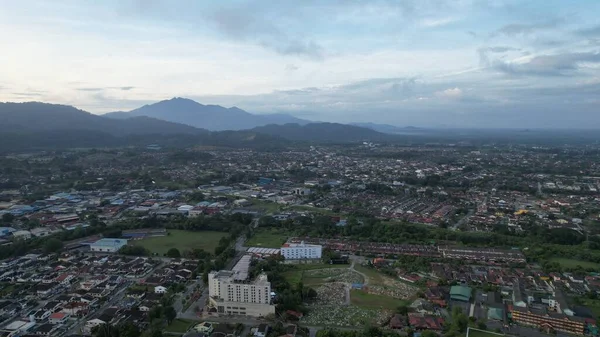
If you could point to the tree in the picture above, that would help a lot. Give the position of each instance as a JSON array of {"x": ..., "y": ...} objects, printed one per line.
[
  {"x": 129, "y": 330},
  {"x": 173, "y": 253},
  {"x": 7, "y": 217},
  {"x": 106, "y": 330},
  {"x": 402, "y": 310},
  {"x": 170, "y": 314},
  {"x": 53, "y": 245},
  {"x": 428, "y": 333}
]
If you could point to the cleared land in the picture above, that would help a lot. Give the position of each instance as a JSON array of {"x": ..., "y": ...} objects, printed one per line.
[
  {"x": 182, "y": 240},
  {"x": 297, "y": 274},
  {"x": 180, "y": 325},
  {"x": 267, "y": 239},
  {"x": 362, "y": 299},
  {"x": 571, "y": 263}
]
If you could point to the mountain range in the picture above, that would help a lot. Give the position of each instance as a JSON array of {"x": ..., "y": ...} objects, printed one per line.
[
  {"x": 323, "y": 132},
  {"x": 387, "y": 128},
  {"x": 35, "y": 125},
  {"x": 209, "y": 117},
  {"x": 36, "y": 116}
]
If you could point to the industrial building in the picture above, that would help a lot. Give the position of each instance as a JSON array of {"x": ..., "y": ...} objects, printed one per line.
[{"x": 108, "y": 245}]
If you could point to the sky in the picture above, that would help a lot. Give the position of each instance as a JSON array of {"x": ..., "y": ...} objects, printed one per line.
[{"x": 429, "y": 63}]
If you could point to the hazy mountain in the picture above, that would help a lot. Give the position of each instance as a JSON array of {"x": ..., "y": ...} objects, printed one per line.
[
  {"x": 30, "y": 126},
  {"x": 330, "y": 132},
  {"x": 387, "y": 128},
  {"x": 210, "y": 117},
  {"x": 35, "y": 116}
]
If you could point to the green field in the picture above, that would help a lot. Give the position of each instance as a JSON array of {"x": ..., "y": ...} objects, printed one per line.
[
  {"x": 182, "y": 240},
  {"x": 267, "y": 206},
  {"x": 593, "y": 305},
  {"x": 481, "y": 333},
  {"x": 180, "y": 325},
  {"x": 267, "y": 239},
  {"x": 362, "y": 299},
  {"x": 571, "y": 263},
  {"x": 297, "y": 274},
  {"x": 375, "y": 277}
]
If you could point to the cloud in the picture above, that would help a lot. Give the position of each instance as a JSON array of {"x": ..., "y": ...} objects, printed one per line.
[
  {"x": 589, "y": 32},
  {"x": 26, "y": 94},
  {"x": 95, "y": 89},
  {"x": 291, "y": 67},
  {"x": 484, "y": 59},
  {"x": 516, "y": 29},
  {"x": 437, "y": 22},
  {"x": 246, "y": 24},
  {"x": 548, "y": 65},
  {"x": 453, "y": 93}
]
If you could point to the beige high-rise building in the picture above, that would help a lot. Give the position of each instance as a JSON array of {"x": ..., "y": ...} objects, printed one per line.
[{"x": 230, "y": 295}]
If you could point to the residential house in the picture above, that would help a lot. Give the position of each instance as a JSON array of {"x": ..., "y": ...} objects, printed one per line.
[
  {"x": 45, "y": 330},
  {"x": 41, "y": 315},
  {"x": 262, "y": 330},
  {"x": 46, "y": 289},
  {"x": 160, "y": 290},
  {"x": 89, "y": 325},
  {"x": 58, "y": 318},
  {"x": 398, "y": 322}
]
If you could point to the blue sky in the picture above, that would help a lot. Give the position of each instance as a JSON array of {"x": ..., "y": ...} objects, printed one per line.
[{"x": 497, "y": 63}]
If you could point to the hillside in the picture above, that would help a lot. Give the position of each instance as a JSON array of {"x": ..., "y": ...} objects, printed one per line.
[
  {"x": 32, "y": 126},
  {"x": 329, "y": 132},
  {"x": 35, "y": 116},
  {"x": 387, "y": 128},
  {"x": 210, "y": 117}
]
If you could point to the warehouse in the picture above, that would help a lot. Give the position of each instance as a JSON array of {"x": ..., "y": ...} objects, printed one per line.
[{"x": 108, "y": 245}]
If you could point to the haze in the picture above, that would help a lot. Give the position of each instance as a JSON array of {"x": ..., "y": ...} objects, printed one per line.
[{"x": 425, "y": 63}]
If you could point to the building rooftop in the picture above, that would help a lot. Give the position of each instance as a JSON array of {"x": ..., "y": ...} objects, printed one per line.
[{"x": 110, "y": 242}]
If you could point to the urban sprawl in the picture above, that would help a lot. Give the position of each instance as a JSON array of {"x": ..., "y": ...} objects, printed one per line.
[{"x": 425, "y": 240}]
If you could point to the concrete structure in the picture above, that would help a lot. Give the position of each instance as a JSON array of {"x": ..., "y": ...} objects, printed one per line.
[
  {"x": 17, "y": 328},
  {"x": 301, "y": 191},
  {"x": 540, "y": 317},
  {"x": 160, "y": 290},
  {"x": 231, "y": 296},
  {"x": 108, "y": 245},
  {"x": 295, "y": 251},
  {"x": 24, "y": 235}
]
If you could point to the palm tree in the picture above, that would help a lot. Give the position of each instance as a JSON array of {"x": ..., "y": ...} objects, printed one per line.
[{"x": 107, "y": 330}]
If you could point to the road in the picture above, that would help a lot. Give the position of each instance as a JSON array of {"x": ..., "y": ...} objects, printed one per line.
[{"x": 463, "y": 220}]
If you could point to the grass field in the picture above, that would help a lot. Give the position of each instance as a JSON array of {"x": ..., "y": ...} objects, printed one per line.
[
  {"x": 267, "y": 239},
  {"x": 362, "y": 299},
  {"x": 182, "y": 240},
  {"x": 593, "y": 305},
  {"x": 571, "y": 263},
  {"x": 297, "y": 274},
  {"x": 375, "y": 277},
  {"x": 268, "y": 206},
  {"x": 180, "y": 325},
  {"x": 481, "y": 333}
]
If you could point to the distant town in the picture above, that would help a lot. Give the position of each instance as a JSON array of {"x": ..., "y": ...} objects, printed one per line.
[{"x": 433, "y": 239}]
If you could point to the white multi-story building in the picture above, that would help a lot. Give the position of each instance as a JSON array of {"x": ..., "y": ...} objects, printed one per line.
[
  {"x": 230, "y": 295},
  {"x": 295, "y": 251}
]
